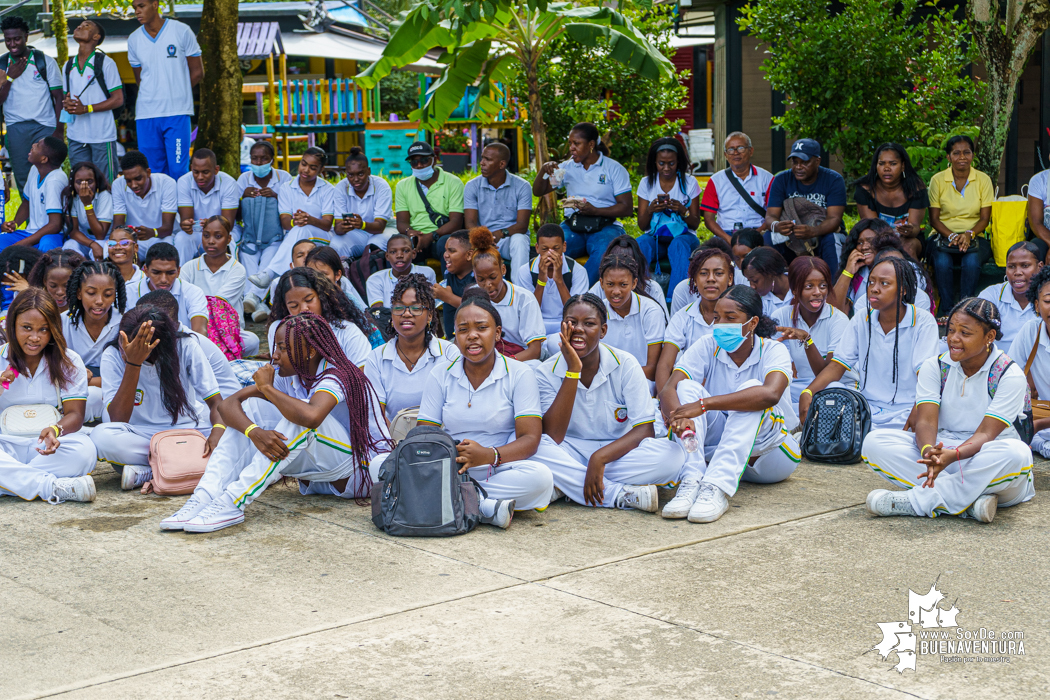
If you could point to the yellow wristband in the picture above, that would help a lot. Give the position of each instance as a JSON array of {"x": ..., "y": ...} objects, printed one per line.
[
  {"x": 806, "y": 391},
  {"x": 89, "y": 207},
  {"x": 220, "y": 425},
  {"x": 847, "y": 273},
  {"x": 541, "y": 283},
  {"x": 58, "y": 431},
  {"x": 572, "y": 375},
  {"x": 90, "y": 108},
  {"x": 922, "y": 452},
  {"x": 249, "y": 429}
]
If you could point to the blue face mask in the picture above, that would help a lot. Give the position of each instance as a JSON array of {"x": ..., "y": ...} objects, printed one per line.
[
  {"x": 423, "y": 173},
  {"x": 729, "y": 336},
  {"x": 261, "y": 170}
]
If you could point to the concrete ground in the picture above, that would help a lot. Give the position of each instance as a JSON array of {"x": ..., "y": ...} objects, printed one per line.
[{"x": 781, "y": 597}]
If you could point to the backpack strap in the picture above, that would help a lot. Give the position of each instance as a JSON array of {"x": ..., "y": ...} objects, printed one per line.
[
  {"x": 567, "y": 276},
  {"x": 744, "y": 194},
  {"x": 1028, "y": 365},
  {"x": 97, "y": 75},
  {"x": 996, "y": 372},
  {"x": 41, "y": 67},
  {"x": 944, "y": 372}
]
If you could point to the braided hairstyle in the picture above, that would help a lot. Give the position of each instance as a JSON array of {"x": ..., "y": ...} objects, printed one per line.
[
  {"x": 983, "y": 311},
  {"x": 906, "y": 286},
  {"x": 589, "y": 299},
  {"x": 93, "y": 267},
  {"x": 890, "y": 241},
  {"x": 309, "y": 330},
  {"x": 702, "y": 256},
  {"x": 750, "y": 302},
  {"x": 424, "y": 297},
  {"x": 336, "y": 307},
  {"x": 620, "y": 261}
]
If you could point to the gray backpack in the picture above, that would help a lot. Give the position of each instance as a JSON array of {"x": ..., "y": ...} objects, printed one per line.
[{"x": 420, "y": 492}]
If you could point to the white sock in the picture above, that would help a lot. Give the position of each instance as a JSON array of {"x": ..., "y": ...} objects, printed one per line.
[{"x": 487, "y": 507}]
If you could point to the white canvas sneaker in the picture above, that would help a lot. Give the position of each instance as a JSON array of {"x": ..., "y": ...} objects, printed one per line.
[
  {"x": 503, "y": 514},
  {"x": 261, "y": 279},
  {"x": 192, "y": 508},
  {"x": 250, "y": 302},
  {"x": 76, "y": 488},
  {"x": 710, "y": 504},
  {"x": 983, "y": 509},
  {"x": 133, "y": 476},
  {"x": 643, "y": 498},
  {"x": 678, "y": 507},
  {"x": 884, "y": 503},
  {"x": 218, "y": 514}
]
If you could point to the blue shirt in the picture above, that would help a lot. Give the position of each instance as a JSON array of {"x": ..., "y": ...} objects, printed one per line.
[
  {"x": 497, "y": 207},
  {"x": 828, "y": 190}
]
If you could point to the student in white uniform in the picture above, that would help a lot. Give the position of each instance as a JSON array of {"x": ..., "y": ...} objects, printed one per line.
[
  {"x": 491, "y": 404},
  {"x": 964, "y": 457},
  {"x": 97, "y": 301},
  {"x": 645, "y": 285},
  {"x": 767, "y": 273},
  {"x": 552, "y": 276},
  {"x": 161, "y": 271},
  {"x": 399, "y": 254},
  {"x": 399, "y": 368},
  {"x": 307, "y": 207},
  {"x": 858, "y": 252},
  {"x": 123, "y": 251},
  {"x": 1031, "y": 349},
  {"x": 922, "y": 299},
  {"x": 811, "y": 327},
  {"x": 710, "y": 275},
  {"x": 90, "y": 211},
  {"x": 636, "y": 323},
  {"x": 325, "y": 260},
  {"x": 522, "y": 320},
  {"x": 204, "y": 192},
  {"x": 154, "y": 378},
  {"x": 52, "y": 272},
  {"x": 1023, "y": 260},
  {"x": 598, "y": 416},
  {"x": 730, "y": 391},
  {"x": 364, "y": 205},
  {"x": 261, "y": 232},
  {"x": 327, "y": 409},
  {"x": 144, "y": 202},
  {"x": 39, "y": 369},
  {"x": 218, "y": 274},
  {"x": 884, "y": 348},
  {"x": 43, "y": 203},
  {"x": 683, "y": 295}
]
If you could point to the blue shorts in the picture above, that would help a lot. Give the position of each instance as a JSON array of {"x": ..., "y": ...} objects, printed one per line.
[{"x": 165, "y": 141}]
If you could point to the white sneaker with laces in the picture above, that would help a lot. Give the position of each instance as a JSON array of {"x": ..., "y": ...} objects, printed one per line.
[
  {"x": 134, "y": 475},
  {"x": 250, "y": 302},
  {"x": 261, "y": 313},
  {"x": 261, "y": 279},
  {"x": 678, "y": 507},
  {"x": 643, "y": 498},
  {"x": 884, "y": 503},
  {"x": 709, "y": 506},
  {"x": 503, "y": 514},
  {"x": 189, "y": 510},
  {"x": 983, "y": 509},
  {"x": 218, "y": 514},
  {"x": 76, "y": 488}
]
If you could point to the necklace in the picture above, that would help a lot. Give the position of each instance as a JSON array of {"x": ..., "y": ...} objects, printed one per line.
[{"x": 411, "y": 364}]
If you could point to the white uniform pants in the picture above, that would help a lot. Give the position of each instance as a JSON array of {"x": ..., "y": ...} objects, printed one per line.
[
  {"x": 1041, "y": 442},
  {"x": 250, "y": 343},
  {"x": 654, "y": 461},
  {"x": 26, "y": 473},
  {"x": 283, "y": 257},
  {"x": 123, "y": 443},
  {"x": 188, "y": 244},
  {"x": 732, "y": 438},
  {"x": 516, "y": 247},
  {"x": 83, "y": 249},
  {"x": 93, "y": 410},
  {"x": 1002, "y": 466},
  {"x": 890, "y": 417},
  {"x": 253, "y": 262}
]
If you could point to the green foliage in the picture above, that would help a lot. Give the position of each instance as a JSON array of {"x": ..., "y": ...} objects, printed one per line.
[
  {"x": 865, "y": 73},
  {"x": 399, "y": 93},
  {"x": 929, "y": 157}
]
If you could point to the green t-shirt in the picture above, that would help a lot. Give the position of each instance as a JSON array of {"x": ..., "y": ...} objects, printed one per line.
[{"x": 445, "y": 196}]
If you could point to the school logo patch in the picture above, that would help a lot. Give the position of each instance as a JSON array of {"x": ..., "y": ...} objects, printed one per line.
[
  {"x": 601, "y": 179},
  {"x": 171, "y": 50},
  {"x": 620, "y": 414},
  {"x": 138, "y": 397}
]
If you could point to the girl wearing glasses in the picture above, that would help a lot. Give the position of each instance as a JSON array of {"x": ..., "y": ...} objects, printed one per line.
[
  {"x": 90, "y": 211},
  {"x": 123, "y": 251}
]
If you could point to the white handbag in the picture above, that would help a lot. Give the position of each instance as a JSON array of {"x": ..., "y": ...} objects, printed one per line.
[
  {"x": 403, "y": 422},
  {"x": 29, "y": 420}
]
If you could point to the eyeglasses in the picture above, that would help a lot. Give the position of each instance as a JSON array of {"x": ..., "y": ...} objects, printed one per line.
[
  {"x": 123, "y": 244},
  {"x": 737, "y": 149},
  {"x": 414, "y": 310}
]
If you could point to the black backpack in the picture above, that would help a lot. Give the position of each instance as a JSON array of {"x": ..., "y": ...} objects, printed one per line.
[
  {"x": 41, "y": 68},
  {"x": 371, "y": 261},
  {"x": 420, "y": 492},
  {"x": 99, "y": 77},
  {"x": 382, "y": 318},
  {"x": 567, "y": 276},
  {"x": 837, "y": 422}
]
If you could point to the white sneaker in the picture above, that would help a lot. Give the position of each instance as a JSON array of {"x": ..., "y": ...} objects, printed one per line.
[
  {"x": 250, "y": 302},
  {"x": 644, "y": 498},
  {"x": 710, "y": 504},
  {"x": 261, "y": 279},
  {"x": 133, "y": 476},
  {"x": 189, "y": 510},
  {"x": 557, "y": 495},
  {"x": 503, "y": 514},
  {"x": 217, "y": 515},
  {"x": 884, "y": 502},
  {"x": 76, "y": 488},
  {"x": 678, "y": 507},
  {"x": 261, "y": 313},
  {"x": 983, "y": 509}
]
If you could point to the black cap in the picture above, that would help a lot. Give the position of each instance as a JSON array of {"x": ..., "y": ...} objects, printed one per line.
[{"x": 419, "y": 148}]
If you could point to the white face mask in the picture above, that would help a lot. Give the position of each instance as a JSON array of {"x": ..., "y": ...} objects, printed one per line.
[{"x": 423, "y": 173}]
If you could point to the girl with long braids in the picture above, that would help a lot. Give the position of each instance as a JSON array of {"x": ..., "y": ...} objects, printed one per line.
[
  {"x": 399, "y": 368},
  {"x": 884, "y": 348},
  {"x": 94, "y": 289},
  {"x": 154, "y": 377},
  {"x": 39, "y": 369},
  {"x": 331, "y": 430},
  {"x": 889, "y": 245},
  {"x": 491, "y": 404},
  {"x": 729, "y": 392},
  {"x": 599, "y": 441},
  {"x": 970, "y": 458},
  {"x": 636, "y": 323},
  {"x": 52, "y": 272}
]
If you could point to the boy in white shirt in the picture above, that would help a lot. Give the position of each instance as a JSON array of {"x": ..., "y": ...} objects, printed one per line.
[
  {"x": 161, "y": 271},
  {"x": 42, "y": 208},
  {"x": 552, "y": 276},
  {"x": 144, "y": 202},
  {"x": 363, "y": 208},
  {"x": 91, "y": 97},
  {"x": 204, "y": 192}
]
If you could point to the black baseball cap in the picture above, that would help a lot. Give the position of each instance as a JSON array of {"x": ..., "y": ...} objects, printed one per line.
[
  {"x": 419, "y": 148},
  {"x": 804, "y": 149}
]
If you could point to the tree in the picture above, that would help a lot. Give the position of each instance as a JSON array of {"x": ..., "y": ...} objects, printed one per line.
[
  {"x": 871, "y": 71},
  {"x": 60, "y": 30},
  {"x": 482, "y": 39},
  {"x": 219, "y": 126},
  {"x": 1005, "y": 41}
]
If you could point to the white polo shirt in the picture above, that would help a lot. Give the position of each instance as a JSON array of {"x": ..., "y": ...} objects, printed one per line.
[
  {"x": 1021, "y": 348},
  {"x": 771, "y": 303},
  {"x": 195, "y": 375},
  {"x": 397, "y": 386},
  {"x": 220, "y": 366},
  {"x": 965, "y": 401},
  {"x": 617, "y": 400},
  {"x": 351, "y": 292},
  {"x": 521, "y": 316},
  {"x": 44, "y": 196},
  {"x": 192, "y": 302},
  {"x": 551, "y": 307},
  {"x": 224, "y": 194},
  {"x": 162, "y": 198},
  {"x": 164, "y": 88},
  {"x": 102, "y": 205},
  {"x": 652, "y": 288},
  {"x": 730, "y": 208},
  {"x": 96, "y": 127},
  {"x": 38, "y": 388},
  {"x": 485, "y": 415},
  {"x": 826, "y": 334},
  {"x": 1010, "y": 311},
  {"x": 80, "y": 341},
  {"x": 353, "y": 342},
  {"x": 687, "y": 326},
  {"x": 599, "y": 185},
  {"x": 917, "y": 343},
  {"x": 378, "y": 202},
  {"x": 227, "y": 282},
  {"x": 682, "y": 297},
  {"x": 642, "y": 327},
  {"x": 649, "y": 192},
  {"x": 380, "y": 285},
  {"x": 277, "y": 178},
  {"x": 319, "y": 203},
  {"x": 29, "y": 97},
  {"x": 138, "y": 275},
  {"x": 497, "y": 207}
]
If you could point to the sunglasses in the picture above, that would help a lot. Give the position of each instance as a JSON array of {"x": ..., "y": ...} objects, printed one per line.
[{"x": 123, "y": 244}]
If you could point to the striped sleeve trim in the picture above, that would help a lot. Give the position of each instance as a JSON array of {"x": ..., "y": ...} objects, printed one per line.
[
  {"x": 999, "y": 418},
  {"x": 655, "y": 342},
  {"x": 538, "y": 337},
  {"x": 935, "y": 402},
  {"x": 217, "y": 393},
  {"x": 528, "y": 415},
  {"x": 835, "y": 359},
  {"x": 671, "y": 342},
  {"x": 773, "y": 371},
  {"x": 644, "y": 422},
  {"x": 679, "y": 369},
  {"x": 74, "y": 398},
  {"x": 329, "y": 392},
  {"x": 428, "y": 422}
]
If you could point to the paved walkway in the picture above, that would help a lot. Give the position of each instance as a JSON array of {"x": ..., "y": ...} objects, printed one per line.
[{"x": 780, "y": 598}]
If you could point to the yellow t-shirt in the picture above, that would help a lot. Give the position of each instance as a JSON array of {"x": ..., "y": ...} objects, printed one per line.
[{"x": 960, "y": 211}]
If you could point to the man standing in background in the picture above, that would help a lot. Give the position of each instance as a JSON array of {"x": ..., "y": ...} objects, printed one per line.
[{"x": 93, "y": 91}]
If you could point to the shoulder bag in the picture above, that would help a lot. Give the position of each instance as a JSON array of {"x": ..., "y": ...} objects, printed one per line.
[
  {"x": 438, "y": 220},
  {"x": 29, "y": 420},
  {"x": 1040, "y": 407},
  {"x": 744, "y": 194}
]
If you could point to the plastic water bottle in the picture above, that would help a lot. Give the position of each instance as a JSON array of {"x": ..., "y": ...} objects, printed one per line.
[
  {"x": 689, "y": 441},
  {"x": 198, "y": 226}
]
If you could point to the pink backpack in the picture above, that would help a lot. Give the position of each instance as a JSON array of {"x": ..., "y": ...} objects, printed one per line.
[
  {"x": 224, "y": 328},
  {"x": 176, "y": 457}
]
